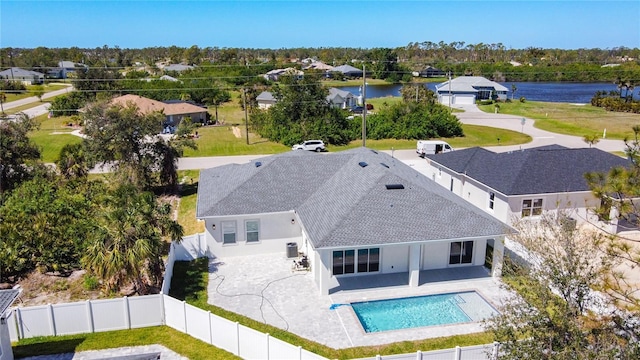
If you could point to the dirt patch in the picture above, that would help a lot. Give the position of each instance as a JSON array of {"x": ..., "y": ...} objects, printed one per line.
[
  {"x": 237, "y": 132},
  {"x": 40, "y": 289}
]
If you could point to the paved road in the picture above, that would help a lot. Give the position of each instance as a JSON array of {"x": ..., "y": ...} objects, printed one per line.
[
  {"x": 475, "y": 116},
  {"x": 34, "y": 99}
]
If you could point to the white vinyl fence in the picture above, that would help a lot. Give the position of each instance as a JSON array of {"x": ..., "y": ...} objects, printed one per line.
[
  {"x": 478, "y": 352},
  {"x": 161, "y": 309}
]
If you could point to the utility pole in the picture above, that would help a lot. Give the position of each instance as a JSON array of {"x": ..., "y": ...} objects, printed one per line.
[
  {"x": 364, "y": 106},
  {"x": 449, "y": 91},
  {"x": 246, "y": 121}
]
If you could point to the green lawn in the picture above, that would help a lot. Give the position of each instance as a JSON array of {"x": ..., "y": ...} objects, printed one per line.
[
  {"x": 576, "y": 120},
  {"x": 163, "y": 335},
  {"x": 188, "y": 198},
  {"x": 52, "y": 136},
  {"x": 190, "y": 281},
  {"x": 47, "y": 88}
]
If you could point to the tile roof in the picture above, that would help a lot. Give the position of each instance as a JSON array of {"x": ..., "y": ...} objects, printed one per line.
[
  {"x": 146, "y": 105},
  {"x": 547, "y": 169},
  {"x": 341, "y": 203},
  {"x": 7, "y": 297}
]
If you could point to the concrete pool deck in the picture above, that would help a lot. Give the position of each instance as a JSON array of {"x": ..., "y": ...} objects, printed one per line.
[{"x": 264, "y": 288}]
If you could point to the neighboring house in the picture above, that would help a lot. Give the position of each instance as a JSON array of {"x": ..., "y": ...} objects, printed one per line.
[
  {"x": 265, "y": 100},
  {"x": 522, "y": 184},
  {"x": 353, "y": 213},
  {"x": 341, "y": 99},
  {"x": 178, "y": 67},
  {"x": 348, "y": 71},
  {"x": 7, "y": 297},
  {"x": 26, "y": 77},
  {"x": 168, "y": 78},
  {"x": 63, "y": 69},
  {"x": 174, "y": 111},
  {"x": 468, "y": 89},
  {"x": 318, "y": 65},
  {"x": 275, "y": 74},
  {"x": 430, "y": 71}
]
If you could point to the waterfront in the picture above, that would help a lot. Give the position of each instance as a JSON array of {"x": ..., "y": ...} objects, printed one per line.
[{"x": 568, "y": 92}]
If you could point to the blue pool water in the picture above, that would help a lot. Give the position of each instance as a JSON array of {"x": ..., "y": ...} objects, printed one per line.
[{"x": 412, "y": 312}]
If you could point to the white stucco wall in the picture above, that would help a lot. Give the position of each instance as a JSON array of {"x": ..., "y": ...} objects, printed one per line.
[
  {"x": 276, "y": 230},
  {"x": 576, "y": 205},
  {"x": 435, "y": 255},
  {"x": 5, "y": 343},
  {"x": 394, "y": 259}
]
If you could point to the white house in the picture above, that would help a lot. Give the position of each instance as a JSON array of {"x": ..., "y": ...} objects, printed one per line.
[
  {"x": 341, "y": 99},
  {"x": 522, "y": 184},
  {"x": 274, "y": 75},
  {"x": 265, "y": 100},
  {"x": 353, "y": 213},
  {"x": 468, "y": 89},
  {"x": 7, "y": 297},
  {"x": 26, "y": 77}
]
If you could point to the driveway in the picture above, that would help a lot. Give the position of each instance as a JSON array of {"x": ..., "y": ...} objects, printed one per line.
[{"x": 474, "y": 116}]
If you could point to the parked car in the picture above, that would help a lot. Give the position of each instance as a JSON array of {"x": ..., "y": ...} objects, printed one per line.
[
  {"x": 357, "y": 110},
  {"x": 311, "y": 145}
]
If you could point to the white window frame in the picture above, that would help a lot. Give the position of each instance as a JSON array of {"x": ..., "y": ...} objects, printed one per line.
[
  {"x": 492, "y": 200},
  {"x": 227, "y": 226},
  {"x": 533, "y": 209},
  {"x": 247, "y": 232}
]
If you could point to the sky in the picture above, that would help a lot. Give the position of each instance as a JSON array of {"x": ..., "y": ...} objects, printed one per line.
[{"x": 516, "y": 24}]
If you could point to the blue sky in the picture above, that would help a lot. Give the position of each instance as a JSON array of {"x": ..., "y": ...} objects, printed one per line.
[{"x": 286, "y": 24}]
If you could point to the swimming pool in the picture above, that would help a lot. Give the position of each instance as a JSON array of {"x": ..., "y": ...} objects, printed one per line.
[{"x": 419, "y": 311}]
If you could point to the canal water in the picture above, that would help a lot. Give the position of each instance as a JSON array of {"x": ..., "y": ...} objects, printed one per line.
[{"x": 535, "y": 91}]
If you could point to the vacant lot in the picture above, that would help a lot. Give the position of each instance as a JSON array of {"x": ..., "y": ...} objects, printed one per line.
[{"x": 572, "y": 119}]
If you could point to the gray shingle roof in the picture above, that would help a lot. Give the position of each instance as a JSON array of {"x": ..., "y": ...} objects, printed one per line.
[
  {"x": 7, "y": 297},
  {"x": 341, "y": 203},
  {"x": 265, "y": 96},
  {"x": 547, "y": 169},
  {"x": 469, "y": 84},
  {"x": 347, "y": 69}
]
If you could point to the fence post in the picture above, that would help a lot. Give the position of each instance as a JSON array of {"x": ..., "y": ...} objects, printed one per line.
[
  {"x": 210, "y": 330},
  {"x": 457, "y": 353},
  {"x": 52, "y": 321},
  {"x": 300, "y": 352},
  {"x": 90, "y": 316},
  {"x": 267, "y": 338},
  {"x": 163, "y": 310},
  {"x": 378, "y": 357},
  {"x": 127, "y": 315},
  {"x": 20, "y": 324},
  {"x": 238, "y": 338},
  {"x": 496, "y": 349},
  {"x": 418, "y": 355},
  {"x": 184, "y": 315}
]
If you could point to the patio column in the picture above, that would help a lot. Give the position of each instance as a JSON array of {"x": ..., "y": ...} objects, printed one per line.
[
  {"x": 323, "y": 261},
  {"x": 414, "y": 264},
  {"x": 498, "y": 257}
]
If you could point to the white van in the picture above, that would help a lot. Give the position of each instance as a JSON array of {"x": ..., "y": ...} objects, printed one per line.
[{"x": 427, "y": 147}]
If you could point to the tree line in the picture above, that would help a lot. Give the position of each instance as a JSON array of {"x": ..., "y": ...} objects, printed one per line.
[{"x": 115, "y": 226}]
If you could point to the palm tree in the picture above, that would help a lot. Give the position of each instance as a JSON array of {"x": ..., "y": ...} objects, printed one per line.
[
  {"x": 591, "y": 139},
  {"x": 73, "y": 162},
  {"x": 513, "y": 91},
  {"x": 128, "y": 245}
]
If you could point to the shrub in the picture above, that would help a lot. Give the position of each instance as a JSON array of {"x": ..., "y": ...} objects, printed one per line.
[
  {"x": 522, "y": 99},
  {"x": 90, "y": 282}
]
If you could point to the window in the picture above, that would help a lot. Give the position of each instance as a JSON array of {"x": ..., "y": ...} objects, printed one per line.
[
  {"x": 344, "y": 261},
  {"x": 461, "y": 252},
  {"x": 492, "y": 199},
  {"x": 228, "y": 232},
  {"x": 531, "y": 207},
  {"x": 252, "y": 229}
]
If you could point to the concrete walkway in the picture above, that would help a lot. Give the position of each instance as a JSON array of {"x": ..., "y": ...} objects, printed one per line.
[{"x": 131, "y": 352}]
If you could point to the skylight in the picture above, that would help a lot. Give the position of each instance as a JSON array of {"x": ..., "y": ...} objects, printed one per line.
[{"x": 394, "y": 186}]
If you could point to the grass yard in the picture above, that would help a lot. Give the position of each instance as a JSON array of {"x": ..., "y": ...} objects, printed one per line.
[
  {"x": 52, "y": 136},
  {"x": 189, "y": 283},
  {"x": 163, "y": 335},
  {"x": 569, "y": 119},
  {"x": 221, "y": 141},
  {"x": 188, "y": 198},
  {"x": 46, "y": 87}
]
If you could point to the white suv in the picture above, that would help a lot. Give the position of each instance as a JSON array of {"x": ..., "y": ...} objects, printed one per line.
[{"x": 312, "y": 145}]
